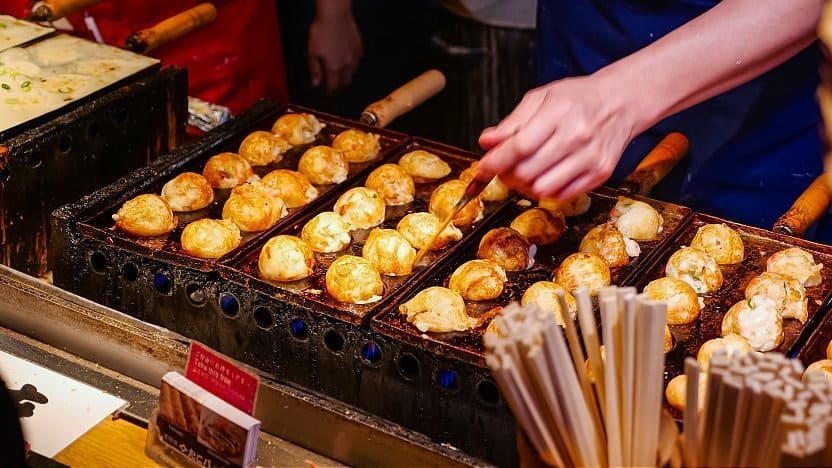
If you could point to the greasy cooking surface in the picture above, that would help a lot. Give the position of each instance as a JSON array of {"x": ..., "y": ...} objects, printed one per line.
[
  {"x": 815, "y": 348},
  {"x": 314, "y": 288},
  {"x": 169, "y": 246},
  {"x": 759, "y": 245},
  {"x": 468, "y": 345}
]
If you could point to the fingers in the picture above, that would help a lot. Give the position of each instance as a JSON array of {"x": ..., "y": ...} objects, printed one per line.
[
  {"x": 315, "y": 72},
  {"x": 521, "y": 114},
  {"x": 526, "y": 141},
  {"x": 575, "y": 174}
]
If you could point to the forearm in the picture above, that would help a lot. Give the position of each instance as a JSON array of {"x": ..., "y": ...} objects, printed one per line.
[
  {"x": 332, "y": 9},
  {"x": 732, "y": 43}
]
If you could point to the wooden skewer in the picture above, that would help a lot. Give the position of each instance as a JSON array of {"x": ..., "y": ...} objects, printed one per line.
[
  {"x": 691, "y": 414},
  {"x": 609, "y": 322},
  {"x": 589, "y": 331},
  {"x": 628, "y": 371},
  {"x": 652, "y": 315}
]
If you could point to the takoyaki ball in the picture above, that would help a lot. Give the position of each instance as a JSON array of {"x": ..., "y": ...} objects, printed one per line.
[
  {"x": 323, "y": 165},
  {"x": 389, "y": 252},
  {"x": 419, "y": 228},
  {"x": 394, "y": 185},
  {"x": 583, "y": 269},
  {"x": 695, "y": 268},
  {"x": 574, "y": 206},
  {"x": 145, "y": 216},
  {"x": 354, "y": 280},
  {"x": 188, "y": 191},
  {"x": 478, "y": 280},
  {"x": 298, "y": 129},
  {"x": 788, "y": 293},
  {"x": 253, "y": 211},
  {"x": 683, "y": 305},
  {"x": 756, "y": 320},
  {"x": 796, "y": 263},
  {"x": 327, "y": 233},
  {"x": 676, "y": 392},
  {"x": 438, "y": 310},
  {"x": 228, "y": 170},
  {"x": 544, "y": 294},
  {"x": 507, "y": 248},
  {"x": 292, "y": 187},
  {"x": 668, "y": 339},
  {"x": 424, "y": 166},
  {"x": 286, "y": 258},
  {"x": 262, "y": 148},
  {"x": 541, "y": 227},
  {"x": 732, "y": 344},
  {"x": 357, "y": 146},
  {"x": 444, "y": 197},
  {"x": 495, "y": 191},
  {"x": 636, "y": 220},
  {"x": 824, "y": 367},
  {"x": 608, "y": 242},
  {"x": 210, "y": 238},
  {"x": 363, "y": 208},
  {"x": 720, "y": 242}
]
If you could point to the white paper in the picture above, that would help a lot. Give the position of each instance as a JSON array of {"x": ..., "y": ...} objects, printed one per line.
[{"x": 72, "y": 408}]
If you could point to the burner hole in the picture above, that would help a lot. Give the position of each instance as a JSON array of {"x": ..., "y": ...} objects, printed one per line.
[
  {"x": 33, "y": 159},
  {"x": 130, "y": 271},
  {"x": 98, "y": 262},
  {"x": 263, "y": 317},
  {"x": 488, "y": 393},
  {"x": 371, "y": 352},
  {"x": 196, "y": 295},
  {"x": 230, "y": 305},
  {"x": 162, "y": 283},
  {"x": 298, "y": 329},
  {"x": 65, "y": 144},
  {"x": 334, "y": 341},
  {"x": 409, "y": 367},
  {"x": 92, "y": 131},
  {"x": 446, "y": 378}
]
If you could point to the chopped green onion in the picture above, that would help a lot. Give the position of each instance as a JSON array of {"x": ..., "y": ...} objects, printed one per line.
[
  {"x": 12, "y": 101},
  {"x": 3, "y": 26},
  {"x": 5, "y": 86},
  {"x": 25, "y": 84},
  {"x": 750, "y": 304},
  {"x": 65, "y": 90}
]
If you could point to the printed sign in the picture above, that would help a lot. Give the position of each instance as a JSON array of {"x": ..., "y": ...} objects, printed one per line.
[{"x": 222, "y": 377}]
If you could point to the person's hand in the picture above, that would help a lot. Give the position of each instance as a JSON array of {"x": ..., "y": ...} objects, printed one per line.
[
  {"x": 334, "y": 50},
  {"x": 563, "y": 139}
]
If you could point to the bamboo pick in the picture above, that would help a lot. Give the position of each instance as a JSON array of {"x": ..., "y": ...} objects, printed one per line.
[
  {"x": 609, "y": 319},
  {"x": 592, "y": 343},
  {"x": 731, "y": 389},
  {"x": 756, "y": 411},
  {"x": 587, "y": 439},
  {"x": 691, "y": 414},
  {"x": 578, "y": 360},
  {"x": 649, "y": 380},
  {"x": 628, "y": 371}
]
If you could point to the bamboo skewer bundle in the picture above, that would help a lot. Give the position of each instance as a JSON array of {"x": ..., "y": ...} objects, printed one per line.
[
  {"x": 757, "y": 412},
  {"x": 614, "y": 420}
]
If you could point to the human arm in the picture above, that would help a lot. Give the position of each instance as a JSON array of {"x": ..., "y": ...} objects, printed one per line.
[
  {"x": 566, "y": 137},
  {"x": 334, "y": 44}
]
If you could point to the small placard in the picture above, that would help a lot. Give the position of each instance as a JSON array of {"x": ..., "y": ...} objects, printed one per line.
[{"x": 221, "y": 376}]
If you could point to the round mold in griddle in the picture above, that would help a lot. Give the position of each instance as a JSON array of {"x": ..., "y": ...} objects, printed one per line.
[
  {"x": 162, "y": 283},
  {"x": 229, "y": 305},
  {"x": 371, "y": 353},
  {"x": 298, "y": 329}
]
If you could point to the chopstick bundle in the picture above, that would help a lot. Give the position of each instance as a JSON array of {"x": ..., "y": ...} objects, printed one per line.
[
  {"x": 613, "y": 419},
  {"x": 757, "y": 412}
]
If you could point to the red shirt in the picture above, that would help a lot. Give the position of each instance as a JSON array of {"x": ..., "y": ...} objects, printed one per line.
[{"x": 234, "y": 61}]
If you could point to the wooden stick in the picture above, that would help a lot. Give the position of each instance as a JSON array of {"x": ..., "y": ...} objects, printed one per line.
[
  {"x": 651, "y": 320},
  {"x": 691, "y": 414},
  {"x": 628, "y": 372},
  {"x": 578, "y": 360},
  {"x": 589, "y": 330},
  {"x": 609, "y": 321}
]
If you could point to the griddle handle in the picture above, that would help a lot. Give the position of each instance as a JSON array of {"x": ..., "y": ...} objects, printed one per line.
[
  {"x": 656, "y": 165},
  {"x": 171, "y": 29},
  {"x": 403, "y": 99},
  {"x": 51, "y": 10},
  {"x": 807, "y": 209}
]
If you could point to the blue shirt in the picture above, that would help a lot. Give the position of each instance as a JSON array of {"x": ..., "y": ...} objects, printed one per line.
[{"x": 753, "y": 149}]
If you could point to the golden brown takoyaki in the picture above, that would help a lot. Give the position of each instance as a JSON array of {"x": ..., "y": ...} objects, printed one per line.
[
  {"x": 394, "y": 185},
  {"x": 145, "y": 216},
  {"x": 788, "y": 293},
  {"x": 292, "y": 187},
  {"x": 298, "y": 129},
  {"x": 210, "y": 238},
  {"x": 478, "y": 280},
  {"x": 438, "y": 310},
  {"x": 357, "y": 146},
  {"x": 606, "y": 241},
  {"x": 696, "y": 268},
  {"x": 354, "y": 280},
  {"x": 389, "y": 252},
  {"x": 286, "y": 258},
  {"x": 636, "y": 220},
  {"x": 683, "y": 305},
  {"x": 361, "y": 207},
  {"x": 327, "y": 233},
  {"x": 544, "y": 294},
  {"x": 419, "y": 228},
  {"x": 424, "y": 166},
  {"x": 444, "y": 197},
  {"x": 796, "y": 263},
  {"x": 541, "y": 227},
  {"x": 583, "y": 269},
  {"x": 756, "y": 320},
  {"x": 228, "y": 170},
  {"x": 507, "y": 248},
  {"x": 263, "y": 148},
  {"x": 323, "y": 165},
  {"x": 720, "y": 242},
  {"x": 188, "y": 191}
]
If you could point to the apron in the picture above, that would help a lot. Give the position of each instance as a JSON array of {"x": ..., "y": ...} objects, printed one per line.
[
  {"x": 234, "y": 61},
  {"x": 753, "y": 149}
]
